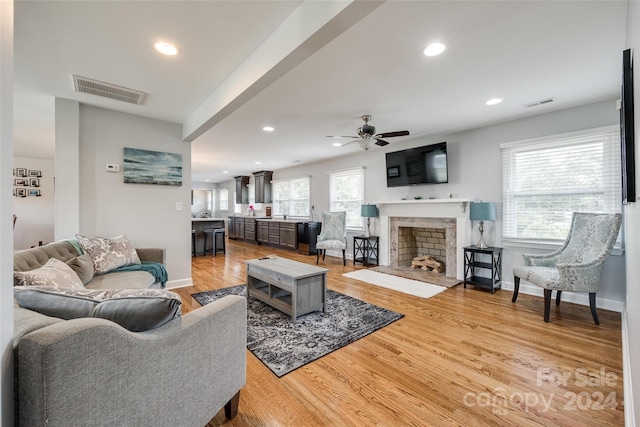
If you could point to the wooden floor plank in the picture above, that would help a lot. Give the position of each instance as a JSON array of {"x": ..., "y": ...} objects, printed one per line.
[{"x": 463, "y": 357}]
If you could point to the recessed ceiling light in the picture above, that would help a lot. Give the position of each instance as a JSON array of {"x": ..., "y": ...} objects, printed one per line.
[
  {"x": 225, "y": 171},
  {"x": 166, "y": 48},
  {"x": 494, "y": 101},
  {"x": 207, "y": 180},
  {"x": 258, "y": 163},
  {"x": 337, "y": 144},
  {"x": 434, "y": 49},
  {"x": 268, "y": 129}
]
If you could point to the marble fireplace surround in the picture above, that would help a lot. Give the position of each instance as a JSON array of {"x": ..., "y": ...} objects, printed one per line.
[{"x": 452, "y": 215}]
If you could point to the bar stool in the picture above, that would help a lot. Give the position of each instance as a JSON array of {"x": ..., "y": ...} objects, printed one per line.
[
  {"x": 216, "y": 233},
  {"x": 193, "y": 243}
]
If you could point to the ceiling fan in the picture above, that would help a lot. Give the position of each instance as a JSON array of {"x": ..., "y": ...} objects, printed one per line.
[{"x": 367, "y": 135}]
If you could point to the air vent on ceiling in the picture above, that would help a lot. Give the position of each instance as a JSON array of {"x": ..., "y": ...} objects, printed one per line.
[
  {"x": 541, "y": 102},
  {"x": 107, "y": 90}
]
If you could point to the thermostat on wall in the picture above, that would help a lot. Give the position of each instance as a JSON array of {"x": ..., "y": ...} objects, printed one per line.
[{"x": 111, "y": 167}]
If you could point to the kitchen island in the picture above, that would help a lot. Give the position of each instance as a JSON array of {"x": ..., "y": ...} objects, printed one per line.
[{"x": 201, "y": 224}]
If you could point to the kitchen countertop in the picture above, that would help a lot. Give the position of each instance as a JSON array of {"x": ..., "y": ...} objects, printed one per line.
[{"x": 207, "y": 219}]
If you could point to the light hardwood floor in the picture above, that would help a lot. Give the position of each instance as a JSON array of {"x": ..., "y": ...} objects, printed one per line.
[{"x": 462, "y": 358}]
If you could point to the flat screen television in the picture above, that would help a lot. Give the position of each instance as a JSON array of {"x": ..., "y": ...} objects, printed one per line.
[
  {"x": 420, "y": 165},
  {"x": 627, "y": 130}
]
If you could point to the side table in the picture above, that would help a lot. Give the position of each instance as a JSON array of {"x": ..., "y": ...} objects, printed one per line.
[
  {"x": 365, "y": 250},
  {"x": 488, "y": 259}
]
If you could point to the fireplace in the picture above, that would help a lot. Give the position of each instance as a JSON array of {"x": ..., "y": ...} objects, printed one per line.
[
  {"x": 421, "y": 241},
  {"x": 425, "y": 221}
]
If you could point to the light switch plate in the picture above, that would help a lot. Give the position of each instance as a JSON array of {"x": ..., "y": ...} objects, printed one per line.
[
  {"x": 112, "y": 167},
  {"x": 178, "y": 206}
]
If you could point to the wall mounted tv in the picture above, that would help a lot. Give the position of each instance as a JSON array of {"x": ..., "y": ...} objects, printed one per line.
[{"x": 420, "y": 165}]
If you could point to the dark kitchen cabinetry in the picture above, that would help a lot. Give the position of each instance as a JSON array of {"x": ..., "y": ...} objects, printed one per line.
[
  {"x": 262, "y": 231},
  {"x": 262, "y": 182},
  {"x": 239, "y": 227},
  {"x": 250, "y": 229},
  {"x": 288, "y": 234},
  {"x": 242, "y": 191},
  {"x": 274, "y": 233},
  {"x": 308, "y": 237}
]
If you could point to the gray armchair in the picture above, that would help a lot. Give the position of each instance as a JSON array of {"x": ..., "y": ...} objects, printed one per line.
[
  {"x": 577, "y": 265},
  {"x": 333, "y": 234}
]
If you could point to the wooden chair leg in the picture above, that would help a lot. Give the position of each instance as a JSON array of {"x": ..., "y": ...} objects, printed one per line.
[
  {"x": 547, "y": 304},
  {"x": 592, "y": 304},
  {"x": 324, "y": 253},
  {"x": 318, "y": 255},
  {"x": 516, "y": 288},
  {"x": 231, "y": 407},
  {"x": 558, "y": 296},
  {"x": 344, "y": 258}
]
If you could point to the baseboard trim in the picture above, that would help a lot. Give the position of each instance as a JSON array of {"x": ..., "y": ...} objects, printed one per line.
[
  {"x": 181, "y": 283},
  {"x": 629, "y": 413},
  {"x": 579, "y": 298}
]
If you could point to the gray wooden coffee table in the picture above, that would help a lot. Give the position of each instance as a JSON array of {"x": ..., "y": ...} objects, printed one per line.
[{"x": 293, "y": 287}]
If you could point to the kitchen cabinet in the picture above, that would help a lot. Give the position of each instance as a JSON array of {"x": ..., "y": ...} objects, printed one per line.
[
  {"x": 231, "y": 227},
  {"x": 288, "y": 234},
  {"x": 262, "y": 181},
  {"x": 262, "y": 231},
  {"x": 239, "y": 227},
  {"x": 250, "y": 229},
  {"x": 274, "y": 233},
  {"x": 242, "y": 191}
]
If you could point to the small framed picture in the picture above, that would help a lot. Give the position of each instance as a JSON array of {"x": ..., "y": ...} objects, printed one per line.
[
  {"x": 34, "y": 182},
  {"x": 393, "y": 172},
  {"x": 33, "y": 192},
  {"x": 21, "y": 192},
  {"x": 35, "y": 173},
  {"x": 21, "y": 172},
  {"x": 21, "y": 182}
]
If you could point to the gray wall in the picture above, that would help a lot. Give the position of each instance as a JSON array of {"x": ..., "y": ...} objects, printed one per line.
[
  {"x": 475, "y": 172},
  {"x": 146, "y": 213},
  {"x": 631, "y": 317}
]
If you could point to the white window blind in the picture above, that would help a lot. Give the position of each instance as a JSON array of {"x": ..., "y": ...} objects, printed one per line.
[
  {"x": 292, "y": 197},
  {"x": 224, "y": 199},
  {"x": 546, "y": 180},
  {"x": 347, "y": 194}
]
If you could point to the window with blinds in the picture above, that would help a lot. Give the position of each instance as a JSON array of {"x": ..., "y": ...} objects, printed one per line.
[
  {"x": 292, "y": 197},
  {"x": 347, "y": 194},
  {"x": 546, "y": 180}
]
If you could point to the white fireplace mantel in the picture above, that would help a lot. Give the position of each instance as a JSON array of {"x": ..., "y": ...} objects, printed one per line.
[{"x": 426, "y": 208}]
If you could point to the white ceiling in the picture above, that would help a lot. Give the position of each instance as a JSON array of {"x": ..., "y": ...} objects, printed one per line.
[{"x": 519, "y": 51}]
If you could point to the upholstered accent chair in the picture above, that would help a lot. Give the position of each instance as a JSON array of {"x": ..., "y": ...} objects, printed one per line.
[
  {"x": 333, "y": 234},
  {"x": 577, "y": 265}
]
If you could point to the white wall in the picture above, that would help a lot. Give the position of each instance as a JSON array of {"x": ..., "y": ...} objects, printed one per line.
[
  {"x": 146, "y": 213},
  {"x": 475, "y": 172},
  {"x": 35, "y": 214},
  {"x": 631, "y": 316},
  {"x": 6, "y": 211}
]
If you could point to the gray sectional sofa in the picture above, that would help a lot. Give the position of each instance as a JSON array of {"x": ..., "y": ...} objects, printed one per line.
[{"x": 94, "y": 372}]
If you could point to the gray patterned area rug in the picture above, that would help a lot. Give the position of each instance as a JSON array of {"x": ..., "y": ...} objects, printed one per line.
[{"x": 284, "y": 347}]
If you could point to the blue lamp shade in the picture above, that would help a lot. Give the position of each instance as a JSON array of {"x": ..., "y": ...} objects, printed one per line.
[
  {"x": 483, "y": 211},
  {"x": 368, "y": 211}
]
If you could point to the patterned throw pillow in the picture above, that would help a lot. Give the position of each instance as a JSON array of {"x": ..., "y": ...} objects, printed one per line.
[
  {"x": 108, "y": 254},
  {"x": 134, "y": 309},
  {"x": 55, "y": 274},
  {"x": 83, "y": 266}
]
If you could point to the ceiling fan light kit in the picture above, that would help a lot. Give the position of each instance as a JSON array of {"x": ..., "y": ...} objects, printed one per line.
[{"x": 367, "y": 135}]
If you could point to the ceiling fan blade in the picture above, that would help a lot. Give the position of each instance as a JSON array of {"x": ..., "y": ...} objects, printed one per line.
[
  {"x": 352, "y": 137},
  {"x": 392, "y": 134},
  {"x": 381, "y": 143}
]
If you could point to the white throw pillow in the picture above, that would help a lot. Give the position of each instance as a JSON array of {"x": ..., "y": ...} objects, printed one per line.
[
  {"x": 108, "y": 254},
  {"x": 55, "y": 274}
]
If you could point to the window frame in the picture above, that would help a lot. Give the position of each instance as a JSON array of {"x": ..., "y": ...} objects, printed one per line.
[
  {"x": 333, "y": 201},
  {"x": 275, "y": 193},
  {"x": 611, "y": 187}
]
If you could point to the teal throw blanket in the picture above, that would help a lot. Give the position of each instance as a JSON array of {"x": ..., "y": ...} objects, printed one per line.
[{"x": 156, "y": 269}]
